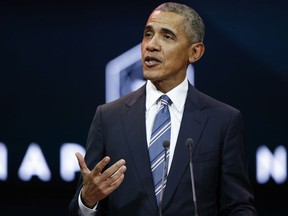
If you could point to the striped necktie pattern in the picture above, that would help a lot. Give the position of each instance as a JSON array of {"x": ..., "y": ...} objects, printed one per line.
[{"x": 160, "y": 132}]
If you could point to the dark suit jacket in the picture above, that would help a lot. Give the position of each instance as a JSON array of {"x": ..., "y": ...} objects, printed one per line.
[{"x": 219, "y": 159}]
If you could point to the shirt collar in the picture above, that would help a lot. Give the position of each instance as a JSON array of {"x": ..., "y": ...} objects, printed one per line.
[{"x": 177, "y": 95}]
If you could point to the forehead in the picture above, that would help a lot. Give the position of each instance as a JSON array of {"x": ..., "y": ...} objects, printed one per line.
[{"x": 167, "y": 20}]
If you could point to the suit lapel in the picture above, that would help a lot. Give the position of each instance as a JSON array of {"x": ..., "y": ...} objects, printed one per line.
[
  {"x": 192, "y": 125},
  {"x": 133, "y": 118}
]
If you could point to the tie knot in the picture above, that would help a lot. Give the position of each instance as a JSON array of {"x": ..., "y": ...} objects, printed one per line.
[{"x": 165, "y": 100}]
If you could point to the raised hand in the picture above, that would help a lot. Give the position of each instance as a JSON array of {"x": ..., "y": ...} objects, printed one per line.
[{"x": 97, "y": 184}]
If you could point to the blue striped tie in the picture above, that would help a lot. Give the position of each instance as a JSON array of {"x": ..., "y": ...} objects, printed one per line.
[{"x": 160, "y": 132}]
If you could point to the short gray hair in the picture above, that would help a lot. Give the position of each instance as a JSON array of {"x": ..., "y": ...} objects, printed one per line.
[{"x": 193, "y": 24}]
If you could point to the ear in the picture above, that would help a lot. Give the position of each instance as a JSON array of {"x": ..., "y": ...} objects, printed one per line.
[{"x": 196, "y": 52}]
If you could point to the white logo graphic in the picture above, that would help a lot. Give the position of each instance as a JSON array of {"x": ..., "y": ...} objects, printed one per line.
[{"x": 271, "y": 165}]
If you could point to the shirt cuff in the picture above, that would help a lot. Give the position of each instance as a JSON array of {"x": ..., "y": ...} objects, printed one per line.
[{"x": 83, "y": 210}]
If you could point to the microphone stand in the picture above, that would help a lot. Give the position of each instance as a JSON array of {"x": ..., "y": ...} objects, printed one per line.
[
  {"x": 189, "y": 143},
  {"x": 166, "y": 145}
]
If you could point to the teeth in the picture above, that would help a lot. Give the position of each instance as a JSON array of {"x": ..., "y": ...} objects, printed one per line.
[{"x": 151, "y": 62}]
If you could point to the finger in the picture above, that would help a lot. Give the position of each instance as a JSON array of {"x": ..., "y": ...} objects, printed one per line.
[
  {"x": 119, "y": 180},
  {"x": 116, "y": 175},
  {"x": 100, "y": 166},
  {"x": 112, "y": 170},
  {"x": 82, "y": 163},
  {"x": 116, "y": 183}
]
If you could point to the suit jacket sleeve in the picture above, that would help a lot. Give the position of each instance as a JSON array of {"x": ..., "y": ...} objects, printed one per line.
[
  {"x": 237, "y": 195},
  {"x": 94, "y": 153}
]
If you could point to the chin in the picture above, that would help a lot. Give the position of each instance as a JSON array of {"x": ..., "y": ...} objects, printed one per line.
[
  {"x": 146, "y": 75},
  {"x": 150, "y": 74}
]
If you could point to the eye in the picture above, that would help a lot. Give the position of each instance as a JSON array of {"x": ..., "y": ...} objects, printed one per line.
[
  {"x": 148, "y": 34},
  {"x": 167, "y": 36}
]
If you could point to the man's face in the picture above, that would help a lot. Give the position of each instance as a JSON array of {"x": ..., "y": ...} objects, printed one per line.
[{"x": 165, "y": 49}]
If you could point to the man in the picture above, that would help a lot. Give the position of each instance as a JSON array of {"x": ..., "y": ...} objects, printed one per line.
[{"x": 116, "y": 175}]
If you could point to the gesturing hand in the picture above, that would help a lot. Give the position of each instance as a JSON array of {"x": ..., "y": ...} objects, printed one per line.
[{"x": 97, "y": 184}]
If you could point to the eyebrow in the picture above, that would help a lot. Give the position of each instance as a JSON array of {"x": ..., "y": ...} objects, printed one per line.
[
  {"x": 148, "y": 28},
  {"x": 168, "y": 31}
]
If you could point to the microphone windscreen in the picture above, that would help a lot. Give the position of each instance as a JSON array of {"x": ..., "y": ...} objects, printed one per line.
[
  {"x": 166, "y": 143},
  {"x": 189, "y": 142}
]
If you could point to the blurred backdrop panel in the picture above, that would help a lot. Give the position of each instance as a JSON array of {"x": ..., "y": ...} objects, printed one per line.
[{"x": 60, "y": 59}]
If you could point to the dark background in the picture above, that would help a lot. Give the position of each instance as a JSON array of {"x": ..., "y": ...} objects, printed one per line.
[{"x": 52, "y": 77}]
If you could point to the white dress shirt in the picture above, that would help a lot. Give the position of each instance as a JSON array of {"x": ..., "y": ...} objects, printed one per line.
[{"x": 178, "y": 97}]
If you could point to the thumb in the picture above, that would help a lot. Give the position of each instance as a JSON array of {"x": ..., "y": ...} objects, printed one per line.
[{"x": 82, "y": 164}]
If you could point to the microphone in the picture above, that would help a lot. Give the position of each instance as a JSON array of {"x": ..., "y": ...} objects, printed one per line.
[
  {"x": 189, "y": 143},
  {"x": 166, "y": 145}
]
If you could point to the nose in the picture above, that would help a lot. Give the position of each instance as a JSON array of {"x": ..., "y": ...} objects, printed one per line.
[{"x": 153, "y": 44}]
